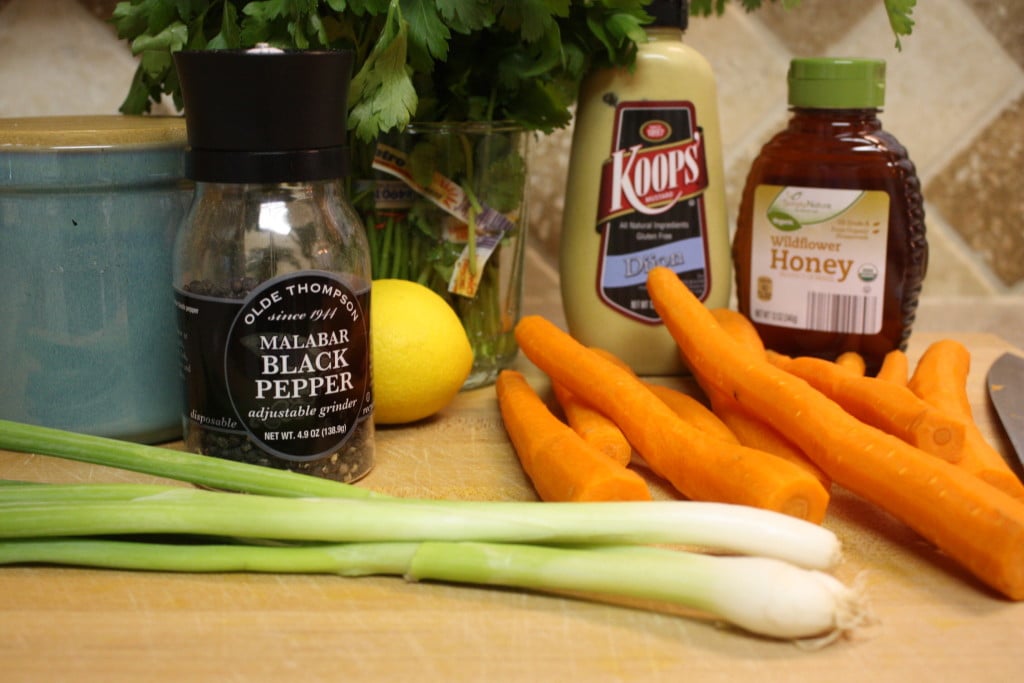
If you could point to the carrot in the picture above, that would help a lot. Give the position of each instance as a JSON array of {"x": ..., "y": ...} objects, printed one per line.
[
  {"x": 887, "y": 406},
  {"x": 682, "y": 404},
  {"x": 852, "y": 361},
  {"x": 940, "y": 376},
  {"x": 756, "y": 433},
  {"x": 562, "y": 466},
  {"x": 895, "y": 368},
  {"x": 739, "y": 327},
  {"x": 593, "y": 426},
  {"x": 748, "y": 428},
  {"x": 940, "y": 379},
  {"x": 976, "y": 524},
  {"x": 694, "y": 412},
  {"x": 699, "y": 466}
]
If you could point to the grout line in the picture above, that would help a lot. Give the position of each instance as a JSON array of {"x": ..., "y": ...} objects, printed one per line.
[
  {"x": 969, "y": 261},
  {"x": 959, "y": 143}
]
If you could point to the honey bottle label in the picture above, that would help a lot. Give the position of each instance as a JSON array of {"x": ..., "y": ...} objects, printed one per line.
[
  {"x": 651, "y": 205},
  {"x": 818, "y": 258}
]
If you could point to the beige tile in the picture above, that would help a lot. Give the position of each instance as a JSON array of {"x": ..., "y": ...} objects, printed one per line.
[
  {"x": 101, "y": 9},
  {"x": 950, "y": 78},
  {"x": 750, "y": 70},
  {"x": 811, "y": 27},
  {"x": 952, "y": 268},
  {"x": 955, "y": 100},
  {"x": 57, "y": 58},
  {"x": 1004, "y": 19},
  {"x": 981, "y": 193},
  {"x": 549, "y": 160}
]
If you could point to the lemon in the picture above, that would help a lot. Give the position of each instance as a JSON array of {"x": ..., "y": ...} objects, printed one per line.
[{"x": 421, "y": 354}]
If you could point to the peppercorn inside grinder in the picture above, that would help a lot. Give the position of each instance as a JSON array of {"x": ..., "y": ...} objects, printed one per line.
[{"x": 271, "y": 266}]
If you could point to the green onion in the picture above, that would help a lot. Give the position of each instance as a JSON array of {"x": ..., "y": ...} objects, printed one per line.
[
  {"x": 48, "y": 510},
  {"x": 164, "y": 462},
  {"x": 294, "y": 523},
  {"x": 760, "y": 595}
]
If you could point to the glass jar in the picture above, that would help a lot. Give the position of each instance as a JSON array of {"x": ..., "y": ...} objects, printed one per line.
[{"x": 436, "y": 185}]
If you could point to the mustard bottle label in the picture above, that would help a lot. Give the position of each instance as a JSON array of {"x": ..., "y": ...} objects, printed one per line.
[
  {"x": 818, "y": 258},
  {"x": 651, "y": 205}
]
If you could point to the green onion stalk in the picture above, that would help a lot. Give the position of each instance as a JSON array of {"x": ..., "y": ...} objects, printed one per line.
[
  {"x": 278, "y": 499},
  {"x": 758, "y": 570},
  {"x": 760, "y": 595}
]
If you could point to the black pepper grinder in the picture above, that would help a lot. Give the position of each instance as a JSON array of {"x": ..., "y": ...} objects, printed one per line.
[{"x": 271, "y": 265}]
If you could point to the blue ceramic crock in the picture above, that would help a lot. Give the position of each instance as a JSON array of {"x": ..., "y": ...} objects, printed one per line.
[{"x": 89, "y": 207}]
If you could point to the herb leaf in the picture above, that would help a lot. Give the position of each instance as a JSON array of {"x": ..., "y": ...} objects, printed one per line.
[
  {"x": 899, "y": 17},
  {"x": 382, "y": 96}
]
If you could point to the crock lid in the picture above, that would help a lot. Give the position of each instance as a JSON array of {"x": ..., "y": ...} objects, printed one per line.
[{"x": 70, "y": 132}]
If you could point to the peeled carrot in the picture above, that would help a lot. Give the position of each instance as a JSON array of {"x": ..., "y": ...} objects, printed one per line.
[
  {"x": 895, "y": 368},
  {"x": 974, "y": 523},
  {"x": 852, "y": 361},
  {"x": 682, "y": 404},
  {"x": 940, "y": 376},
  {"x": 748, "y": 428},
  {"x": 890, "y": 407},
  {"x": 561, "y": 465},
  {"x": 699, "y": 466},
  {"x": 593, "y": 426},
  {"x": 756, "y": 433},
  {"x": 940, "y": 379},
  {"x": 739, "y": 327},
  {"x": 694, "y": 412}
]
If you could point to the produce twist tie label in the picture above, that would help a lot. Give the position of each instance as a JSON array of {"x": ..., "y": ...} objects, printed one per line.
[{"x": 488, "y": 225}]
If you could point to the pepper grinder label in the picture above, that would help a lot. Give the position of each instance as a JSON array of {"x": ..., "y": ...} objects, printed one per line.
[{"x": 293, "y": 358}]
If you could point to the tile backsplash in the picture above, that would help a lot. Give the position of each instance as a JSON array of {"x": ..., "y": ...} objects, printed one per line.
[{"x": 955, "y": 98}]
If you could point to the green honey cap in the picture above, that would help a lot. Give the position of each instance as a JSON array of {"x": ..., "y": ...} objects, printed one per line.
[{"x": 837, "y": 83}]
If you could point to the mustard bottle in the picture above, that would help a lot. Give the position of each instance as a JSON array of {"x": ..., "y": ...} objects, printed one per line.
[{"x": 645, "y": 189}]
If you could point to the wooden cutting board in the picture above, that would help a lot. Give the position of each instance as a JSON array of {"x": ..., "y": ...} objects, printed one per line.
[{"x": 932, "y": 621}]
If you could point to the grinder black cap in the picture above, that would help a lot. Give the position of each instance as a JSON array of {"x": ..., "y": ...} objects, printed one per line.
[
  {"x": 673, "y": 13},
  {"x": 265, "y": 115}
]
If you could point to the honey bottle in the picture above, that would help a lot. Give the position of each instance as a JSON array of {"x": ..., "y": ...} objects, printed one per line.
[{"x": 830, "y": 251}]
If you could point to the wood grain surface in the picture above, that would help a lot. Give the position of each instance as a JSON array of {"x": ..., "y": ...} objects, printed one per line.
[{"x": 932, "y": 621}]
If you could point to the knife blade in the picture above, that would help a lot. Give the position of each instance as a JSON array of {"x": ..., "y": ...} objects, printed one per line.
[{"x": 1005, "y": 382}]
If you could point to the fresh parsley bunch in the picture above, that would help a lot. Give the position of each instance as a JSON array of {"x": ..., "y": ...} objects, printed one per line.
[
  {"x": 514, "y": 60},
  {"x": 518, "y": 60}
]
